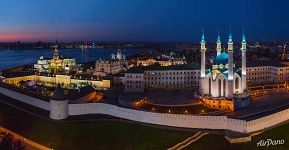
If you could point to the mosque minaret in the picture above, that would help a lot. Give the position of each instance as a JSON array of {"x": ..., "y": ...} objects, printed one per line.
[
  {"x": 230, "y": 66},
  {"x": 243, "y": 49},
  {"x": 223, "y": 81},
  {"x": 219, "y": 45},
  {"x": 203, "y": 62}
]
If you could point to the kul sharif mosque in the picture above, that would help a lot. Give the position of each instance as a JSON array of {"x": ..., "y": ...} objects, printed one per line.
[{"x": 223, "y": 82}]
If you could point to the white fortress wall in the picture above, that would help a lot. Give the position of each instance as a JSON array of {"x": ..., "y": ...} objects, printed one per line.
[
  {"x": 236, "y": 125},
  {"x": 268, "y": 121},
  {"x": 176, "y": 120},
  {"x": 25, "y": 99}
]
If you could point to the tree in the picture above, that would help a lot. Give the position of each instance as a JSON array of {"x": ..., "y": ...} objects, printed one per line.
[
  {"x": 18, "y": 145},
  {"x": 10, "y": 143},
  {"x": 7, "y": 142}
]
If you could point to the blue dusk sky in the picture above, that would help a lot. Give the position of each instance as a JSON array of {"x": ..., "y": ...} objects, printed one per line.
[{"x": 142, "y": 20}]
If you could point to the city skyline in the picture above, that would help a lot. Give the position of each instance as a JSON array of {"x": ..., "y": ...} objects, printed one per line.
[{"x": 142, "y": 21}]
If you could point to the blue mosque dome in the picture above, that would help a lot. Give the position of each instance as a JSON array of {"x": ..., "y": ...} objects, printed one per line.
[{"x": 222, "y": 59}]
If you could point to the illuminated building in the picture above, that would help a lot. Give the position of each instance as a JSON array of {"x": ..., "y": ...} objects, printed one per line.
[
  {"x": 118, "y": 55},
  {"x": 65, "y": 80},
  {"x": 162, "y": 62},
  {"x": 42, "y": 64},
  {"x": 115, "y": 65},
  {"x": 267, "y": 72},
  {"x": 223, "y": 82},
  {"x": 55, "y": 64},
  {"x": 155, "y": 76}
]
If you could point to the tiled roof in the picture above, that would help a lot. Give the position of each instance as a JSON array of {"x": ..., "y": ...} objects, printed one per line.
[
  {"x": 58, "y": 94},
  {"x": 258, "y": 63},
  {"x": 83, "y": 91}
]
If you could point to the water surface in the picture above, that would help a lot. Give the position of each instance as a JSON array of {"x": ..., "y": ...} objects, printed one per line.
[{"x": 14, "y": 58}]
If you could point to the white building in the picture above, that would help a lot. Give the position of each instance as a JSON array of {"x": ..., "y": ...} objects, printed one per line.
[
  {"x": 56, "y": 63},
  {"x": 223, "y": 86},
  {"x": 267, "y": 72},
  {"x": 176, "y": 76},
  {"x": 115, "y": 65},
  {"x": 162, "y": 62},
  {"x": 134, "y": 80},
  {"x": 68, "y": 63},
  {"x": 118, "y": 55},
  {"x": 42, "y": 64},
  {"x": 223, "y": 79}
]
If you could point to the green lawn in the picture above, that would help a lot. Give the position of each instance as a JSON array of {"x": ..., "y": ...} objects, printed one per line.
[{"x": 89, "y": 135}]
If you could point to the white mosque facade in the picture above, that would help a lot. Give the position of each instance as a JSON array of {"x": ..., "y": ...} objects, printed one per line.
[{"x": 223, "y": 82}]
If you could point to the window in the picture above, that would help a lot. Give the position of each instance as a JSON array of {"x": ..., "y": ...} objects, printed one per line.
[
  {"x": 224, "y": 89},
  {"x": 237, "y": 83},
  {"x": 210, "y": 82},
  {"x": 219, "y": 85}
]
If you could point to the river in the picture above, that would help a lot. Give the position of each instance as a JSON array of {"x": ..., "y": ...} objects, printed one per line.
[{"x": 14, "y": 58}]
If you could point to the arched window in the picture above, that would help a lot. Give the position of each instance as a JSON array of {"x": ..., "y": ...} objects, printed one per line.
[
  {"x": 220, "y": 87},
  {"x": 210, "y": 83},
  {"x": 224, "y": 87},
  {"x": 237, "y": 83}
]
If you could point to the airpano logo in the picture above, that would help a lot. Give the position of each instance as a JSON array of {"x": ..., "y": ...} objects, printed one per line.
[{"x": 270, "y": 142}]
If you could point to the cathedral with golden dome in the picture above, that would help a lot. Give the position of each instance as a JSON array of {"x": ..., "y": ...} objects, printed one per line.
[{"x": 55, "y": 62}]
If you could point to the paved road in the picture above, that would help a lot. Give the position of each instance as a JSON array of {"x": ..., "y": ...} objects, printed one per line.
[{"x": 262, "y": 104}]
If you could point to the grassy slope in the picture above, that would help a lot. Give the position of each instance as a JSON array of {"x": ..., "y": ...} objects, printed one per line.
[
  {"x": 89, "y": 135},
  {"x": 218, "y": 142}
]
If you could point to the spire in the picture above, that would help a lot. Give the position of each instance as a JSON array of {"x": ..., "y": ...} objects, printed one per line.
[
  {"x": 218, "y": 39},
  {"x": 244, "y": 45},
  {"x": 55, "y": 54},
  {"x": 230, "y": 35},
  {"x": 230, "y": 41},
  {"x": 203, "y": 36},
  {"x": 203, "y": 42},
  {"x": 203, "y": 57},
  {"x": 219, "y": 45},
  {"x": 243, "y": 37},
  {"x": 56, "y": 43}
]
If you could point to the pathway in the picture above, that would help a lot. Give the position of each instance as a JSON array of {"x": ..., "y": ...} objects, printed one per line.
[{"x": 188, "y": 141}]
